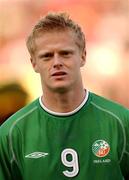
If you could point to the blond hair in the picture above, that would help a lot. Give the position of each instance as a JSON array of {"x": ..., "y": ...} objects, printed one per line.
[{"x": 55, "y": 22}]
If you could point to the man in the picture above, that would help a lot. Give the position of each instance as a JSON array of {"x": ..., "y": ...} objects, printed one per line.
[{"x": 68, "y": 133}]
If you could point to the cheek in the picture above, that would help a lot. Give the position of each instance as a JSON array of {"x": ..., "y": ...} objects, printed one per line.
[
  {"x": 76, "y": 65},
  {"x": 43, "y": 73},
  {"x": 39, "y": 68}
]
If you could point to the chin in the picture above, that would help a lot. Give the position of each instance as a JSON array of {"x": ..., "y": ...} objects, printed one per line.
[{"x": 60, "y": 89}]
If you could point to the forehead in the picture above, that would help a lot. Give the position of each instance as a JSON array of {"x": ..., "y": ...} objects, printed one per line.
[{"x": 55, "y": 38}]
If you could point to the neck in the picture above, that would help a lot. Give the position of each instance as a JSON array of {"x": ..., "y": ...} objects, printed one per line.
[{"x": 63, "y": 102}]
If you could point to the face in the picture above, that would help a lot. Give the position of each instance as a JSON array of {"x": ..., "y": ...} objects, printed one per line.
[{"x": 58, "y": 60}]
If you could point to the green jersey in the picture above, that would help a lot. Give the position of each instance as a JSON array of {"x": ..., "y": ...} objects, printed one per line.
[{"x": 89, "y": 143}]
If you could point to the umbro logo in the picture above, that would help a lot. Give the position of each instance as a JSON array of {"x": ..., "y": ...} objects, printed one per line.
[{"x": 36, "y": 155}]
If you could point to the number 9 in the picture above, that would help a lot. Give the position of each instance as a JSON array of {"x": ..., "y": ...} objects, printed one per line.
[{"x": 73, "y": 163}]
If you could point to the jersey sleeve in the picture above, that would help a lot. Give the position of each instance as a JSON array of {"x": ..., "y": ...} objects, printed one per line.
[
  {"x": 5, "y": 166},
  {"x": 125, "y": 160},
  {"x": 9, "y": 150}
]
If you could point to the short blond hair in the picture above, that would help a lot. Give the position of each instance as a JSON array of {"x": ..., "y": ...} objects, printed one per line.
[{"x": 55, "y": 22}]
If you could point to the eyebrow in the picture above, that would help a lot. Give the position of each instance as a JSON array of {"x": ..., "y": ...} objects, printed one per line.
[
  {"x": 45, "y": 54},
  {"x": 50, "y": 53},
  {"x": 66, "y": 51}
]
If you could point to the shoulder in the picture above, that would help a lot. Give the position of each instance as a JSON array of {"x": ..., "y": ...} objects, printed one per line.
[
  {"x": 108, "y": 106},
  {"x": 19, "y": 116}
]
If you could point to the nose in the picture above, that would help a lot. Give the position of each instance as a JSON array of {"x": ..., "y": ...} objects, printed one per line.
[{"x": 57, "y": 62}]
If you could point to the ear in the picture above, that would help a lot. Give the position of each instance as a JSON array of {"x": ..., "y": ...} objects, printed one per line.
[
  {"x": 83, "y": 58},
  {"x": 34, "y": 64}
]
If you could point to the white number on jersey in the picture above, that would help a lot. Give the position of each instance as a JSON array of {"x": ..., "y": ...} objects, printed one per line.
[{"x": 73, "y": 163}]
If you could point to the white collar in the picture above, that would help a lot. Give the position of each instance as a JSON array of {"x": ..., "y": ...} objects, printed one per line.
[{"x": 67, "y": 113}]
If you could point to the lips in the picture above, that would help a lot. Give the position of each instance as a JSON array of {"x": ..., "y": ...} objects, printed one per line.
[{"x": 59, "y": 73}]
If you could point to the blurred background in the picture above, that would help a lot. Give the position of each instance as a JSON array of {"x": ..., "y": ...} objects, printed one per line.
[{"x": 106, "y": 26}]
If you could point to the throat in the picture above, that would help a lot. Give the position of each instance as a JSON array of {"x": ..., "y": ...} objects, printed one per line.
[{"x": 63, "y": 103}]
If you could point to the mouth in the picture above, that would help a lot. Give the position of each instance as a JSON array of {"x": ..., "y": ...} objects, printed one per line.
[{"x": 60, "y": 73}]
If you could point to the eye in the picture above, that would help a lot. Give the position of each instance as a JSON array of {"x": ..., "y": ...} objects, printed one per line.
[
  {"x": 66, "y": 53},
  {"x": 46, "y": 56}
]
